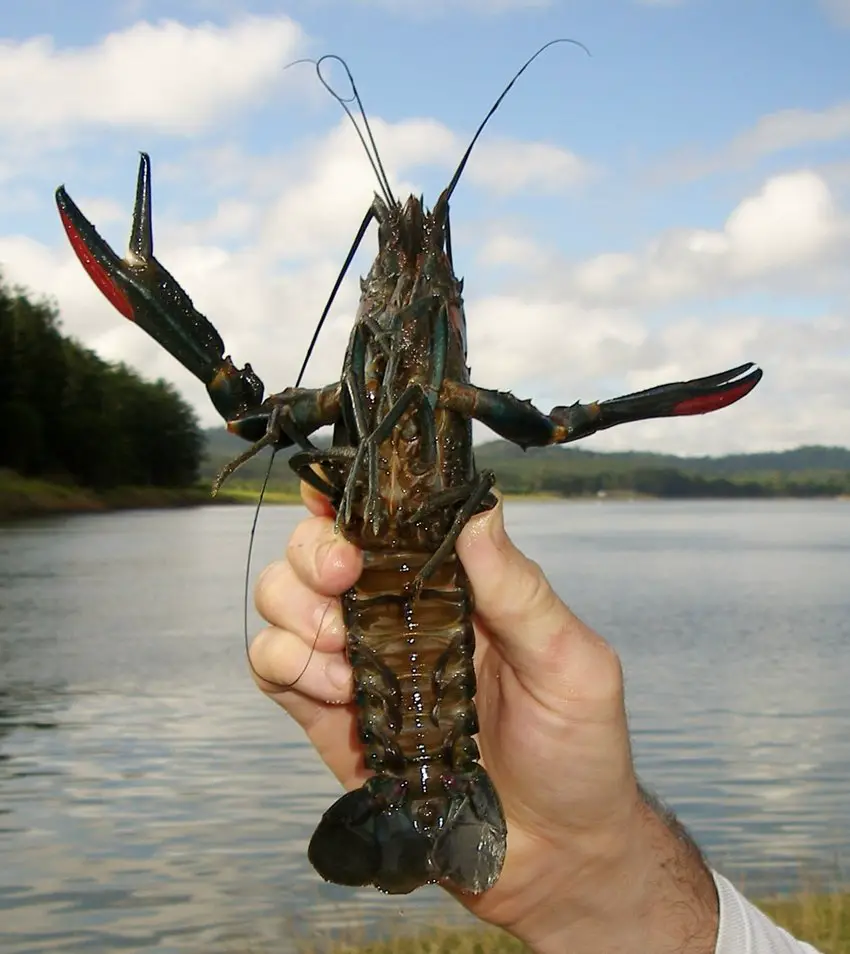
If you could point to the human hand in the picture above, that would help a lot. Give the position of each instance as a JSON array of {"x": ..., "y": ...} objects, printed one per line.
[{"x": 589, "y": 864}]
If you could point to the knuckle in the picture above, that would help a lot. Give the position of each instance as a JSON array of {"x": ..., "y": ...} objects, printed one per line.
[
  {"x": 308, "y": 541},
  {"x": 260, "y": 654},
  {"x": 534, "y": 594},
  {"x": 268, "y": 586},
  {"x": 607, "y": 684}
]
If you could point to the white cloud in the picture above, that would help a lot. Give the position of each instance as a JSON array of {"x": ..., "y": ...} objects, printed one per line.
[
  {"x": 333, "y": 183},
  {"x": 263, "y": 259},
  {"x": 776, "y": 132},
  {"x": 802, "y": 399},
  {"x": 518, "y": 340},
  {"x": 329, "y": 183},
  {"x": 165, "y": 76},
  {"x": 505, "y": 166},
  {"x": 791, "y": 224},
  {"x": 590, "y": 330},
  {"x": 510, "y": 247}
]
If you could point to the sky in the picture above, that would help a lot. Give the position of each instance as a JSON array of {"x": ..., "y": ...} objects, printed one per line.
[{"x": 671, "y": 206}]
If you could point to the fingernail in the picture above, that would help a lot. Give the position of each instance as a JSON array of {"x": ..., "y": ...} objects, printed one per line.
[
  {"x": 496, "y": 523},
  {"x": 489, "y": 524},
  {"x": 339, "y": 672}
]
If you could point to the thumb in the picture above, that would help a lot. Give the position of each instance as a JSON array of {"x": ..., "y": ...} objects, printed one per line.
[{"x": 556, "y": 656}]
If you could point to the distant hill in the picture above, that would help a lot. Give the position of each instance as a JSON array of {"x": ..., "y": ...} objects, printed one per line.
[
  {"x": 799, "y": 460},
  {"x": 223, "y": 446},
  {"x": 805, "y": 471}
]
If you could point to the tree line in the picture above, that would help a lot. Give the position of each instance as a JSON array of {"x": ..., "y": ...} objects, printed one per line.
[
  {"x": 68, "y": 415},
  {"x": 571, "y": 472}
]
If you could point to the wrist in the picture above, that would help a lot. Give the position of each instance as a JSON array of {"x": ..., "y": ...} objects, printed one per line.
[
  {"x": 652, "y": 894},
  {"x": 681, "y": 907}
]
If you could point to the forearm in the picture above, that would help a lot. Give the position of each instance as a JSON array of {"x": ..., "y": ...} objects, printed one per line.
[
  {"x": 740, "y": 928},
  {"x": 654, "y": 895},
  {"x": 661, "y": 898}
]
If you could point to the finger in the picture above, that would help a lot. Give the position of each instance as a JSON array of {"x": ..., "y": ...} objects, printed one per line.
[
  {"x": 283, "y": 600},
  {"x": 317, "y": 503},
  {"x": 549, "y": 647},
  {"x": 282, "y": 660},
  {"x": 323, "y": 559}
]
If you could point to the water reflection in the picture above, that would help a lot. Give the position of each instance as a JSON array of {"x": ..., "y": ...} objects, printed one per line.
[{"x": 150, "y": 797}]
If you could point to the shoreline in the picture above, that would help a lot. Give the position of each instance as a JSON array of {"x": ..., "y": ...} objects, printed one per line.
[
  {"x": 819, "y": 917},
  {"x": 24, "y": 498}
]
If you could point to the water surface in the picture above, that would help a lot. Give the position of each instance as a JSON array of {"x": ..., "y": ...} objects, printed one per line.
[{"x": 152, "y": 799}]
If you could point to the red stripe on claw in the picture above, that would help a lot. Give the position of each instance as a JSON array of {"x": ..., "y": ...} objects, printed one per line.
[
  {"x": 713, "y": 402},
  {"x": 97, "y": 272}
]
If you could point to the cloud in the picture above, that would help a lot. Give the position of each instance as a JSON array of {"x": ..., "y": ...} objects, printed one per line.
[
  {"x": 777, "y": 132},
  {"x": 838, "y": 10},
  {"x": 785, "y": 229},
  {"x": 505, "y": 166},
  {"x": 509, "y": 247},
  {"x": 263, "y": 258},
  {"x": 166, "y": 77},
  {"x": 329, "y": 183},
  {"x": 791, "y": 222},
  {"x": 593, "y": 329}
]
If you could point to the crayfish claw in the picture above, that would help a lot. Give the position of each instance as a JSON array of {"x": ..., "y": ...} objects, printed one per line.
[{"x": 140, "y": 251}]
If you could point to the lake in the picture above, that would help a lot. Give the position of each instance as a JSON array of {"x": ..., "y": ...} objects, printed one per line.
[{"x": 152, "y": 799}]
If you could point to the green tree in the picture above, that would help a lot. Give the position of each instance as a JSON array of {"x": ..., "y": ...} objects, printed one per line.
[{"x": 66, "y": 413}]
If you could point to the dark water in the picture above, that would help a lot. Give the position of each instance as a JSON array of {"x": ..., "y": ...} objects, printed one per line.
[{"x": 151, "y": 799}]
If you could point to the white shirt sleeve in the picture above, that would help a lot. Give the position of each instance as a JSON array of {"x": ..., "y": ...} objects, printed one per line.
[{"x": 746, "y": 930}]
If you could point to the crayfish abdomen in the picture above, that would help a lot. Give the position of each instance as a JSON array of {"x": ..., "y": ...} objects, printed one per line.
[{"x": 431, "y": 812}]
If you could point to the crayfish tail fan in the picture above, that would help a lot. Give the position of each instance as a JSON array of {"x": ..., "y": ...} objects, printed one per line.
[
  {"x": 364, "y": 840},
  {"x": 469, "y": 848},
  {"x": 391, "y": 835}
]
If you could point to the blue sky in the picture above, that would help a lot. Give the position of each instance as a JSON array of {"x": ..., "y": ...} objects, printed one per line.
[{"x": 676, "y": 204}]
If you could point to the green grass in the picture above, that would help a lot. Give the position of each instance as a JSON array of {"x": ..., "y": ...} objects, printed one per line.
[
  {"x": 249, "y": 493},
  {"x": 822, "y": 919},
  {"x": 434, "y": 940},
  {"x": 32, "y": 497},
  {"x": 24, "y": 497}
]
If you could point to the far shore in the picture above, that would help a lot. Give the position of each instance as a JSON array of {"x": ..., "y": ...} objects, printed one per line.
[{"x": 24, "y": 497}]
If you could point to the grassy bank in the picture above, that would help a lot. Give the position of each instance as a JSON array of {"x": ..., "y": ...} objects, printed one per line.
[
  {"x": 249, "y": 493},
  {"x": 822, "y": 920},
  {"x": 27, "y": 497}
]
